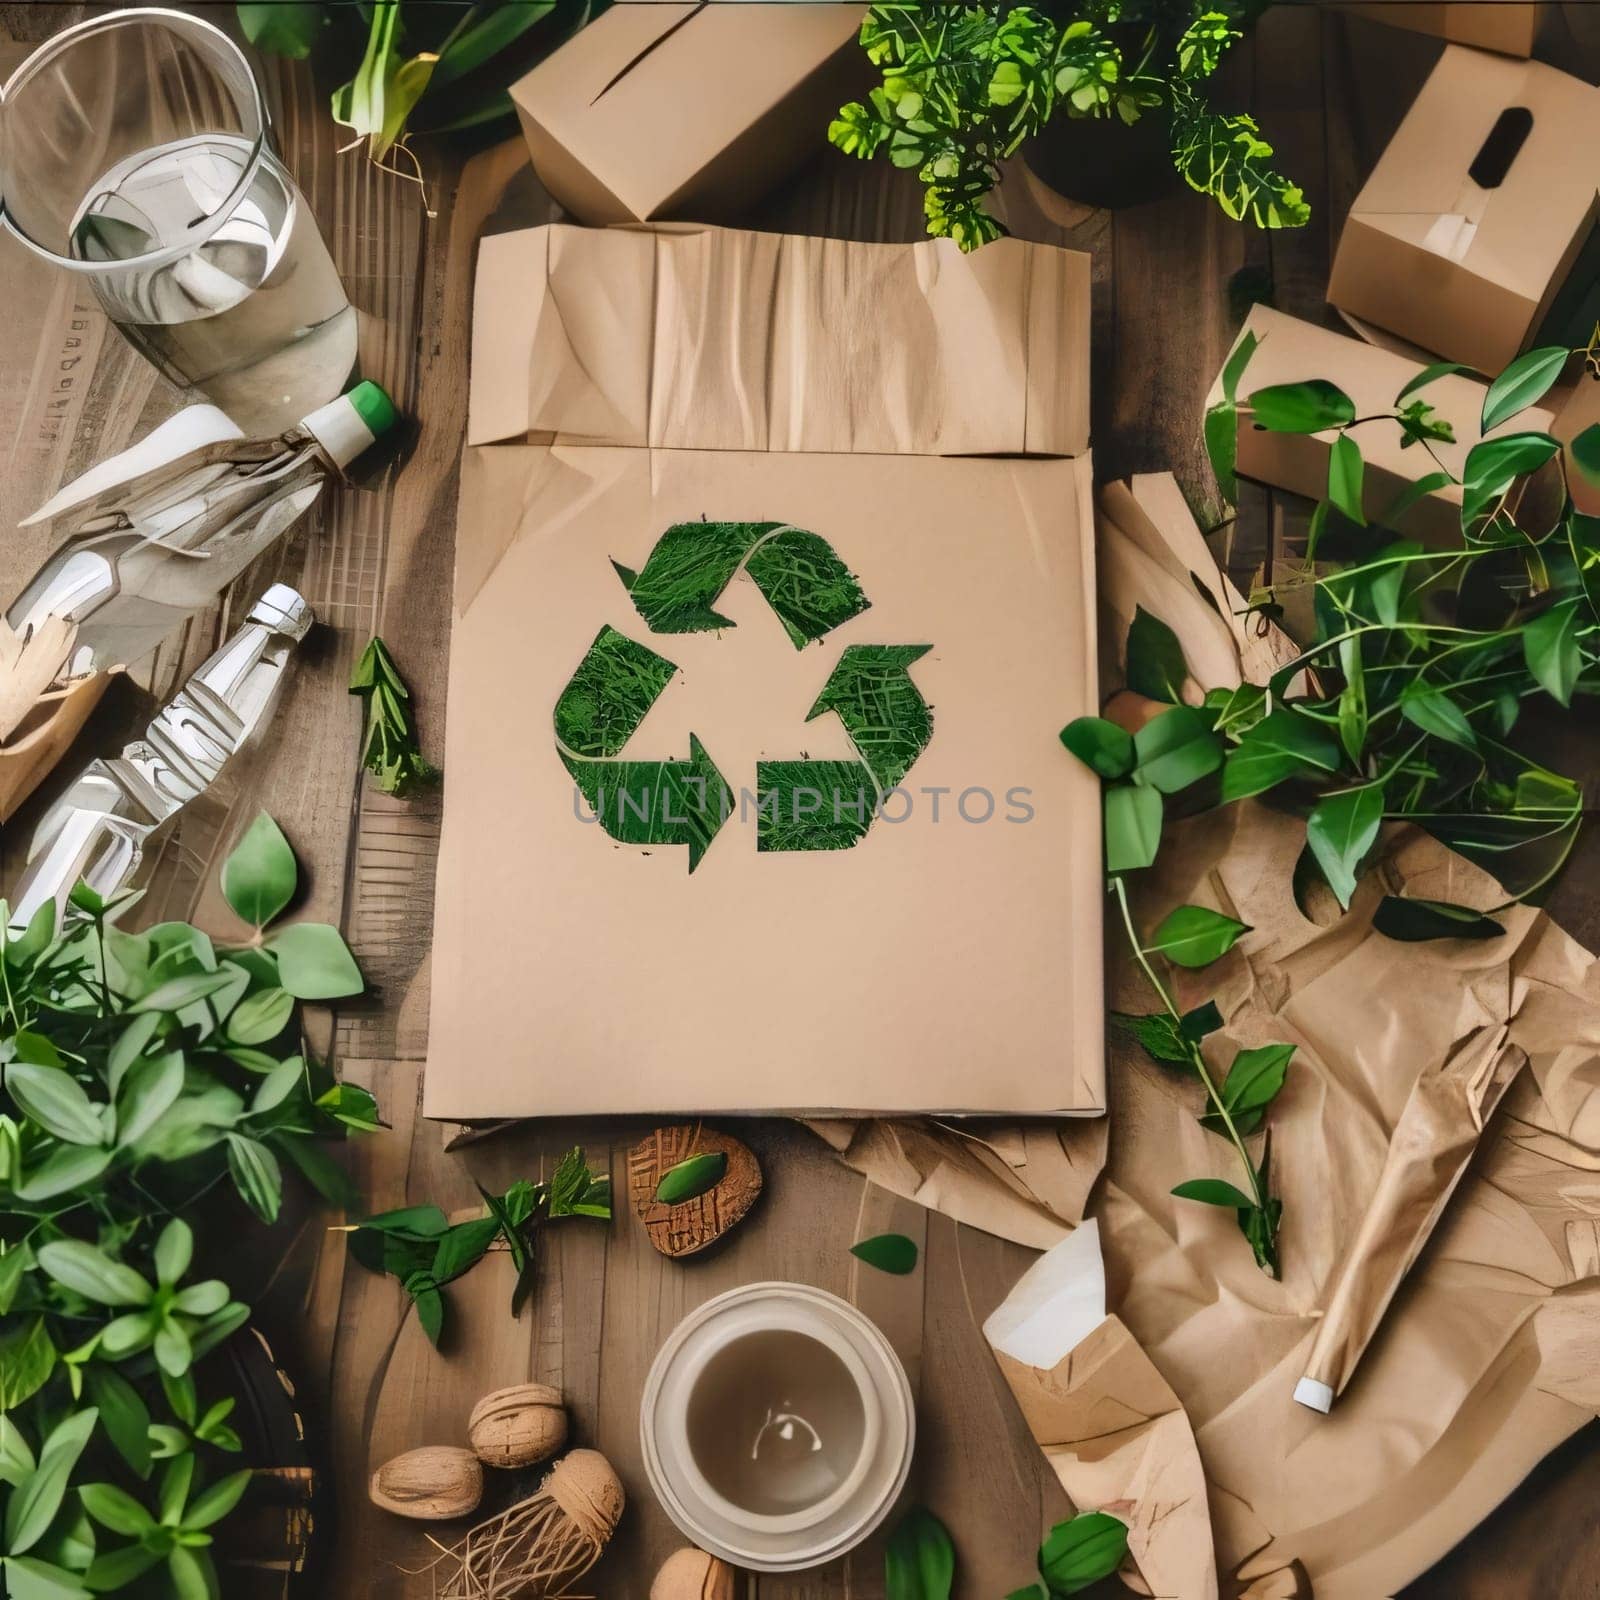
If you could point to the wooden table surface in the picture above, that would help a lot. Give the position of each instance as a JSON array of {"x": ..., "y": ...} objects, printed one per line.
[{"x": 1168, "y": 281}]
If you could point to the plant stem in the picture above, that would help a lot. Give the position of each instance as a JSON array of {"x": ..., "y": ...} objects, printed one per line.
[{"x": 1266, "y": 1257}]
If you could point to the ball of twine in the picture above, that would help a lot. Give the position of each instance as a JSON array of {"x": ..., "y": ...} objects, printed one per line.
[{"x": 536, "y": 1548}]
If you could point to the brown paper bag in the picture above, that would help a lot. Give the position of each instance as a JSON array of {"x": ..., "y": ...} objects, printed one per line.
[
  {"x": 1468, "y": 225},
  {"x": 1108, "y": 1423},
  {"x": 924, "y": 413}
]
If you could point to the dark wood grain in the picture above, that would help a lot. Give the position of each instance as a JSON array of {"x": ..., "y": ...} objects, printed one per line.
[{"x": 1167, "y": 280}]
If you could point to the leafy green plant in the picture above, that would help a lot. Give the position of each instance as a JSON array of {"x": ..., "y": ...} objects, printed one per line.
[
  {"x": 421, "y": 1247},
  {"x": 445, "y": 67},
  {"x": 964, "y": 85},
  {"x": 1408, "y": 703},
  {"x": 140, "y": 1072},
  {"x": 1076, "y": 1554},
  {"x": 389, "y": 749}
]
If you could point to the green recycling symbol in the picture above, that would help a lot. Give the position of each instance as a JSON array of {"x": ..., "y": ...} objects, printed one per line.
[{"x": 800, "y": 804}]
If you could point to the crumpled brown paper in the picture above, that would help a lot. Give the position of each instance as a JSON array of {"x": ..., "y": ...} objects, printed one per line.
[{"x": 1477, "y": 1371}]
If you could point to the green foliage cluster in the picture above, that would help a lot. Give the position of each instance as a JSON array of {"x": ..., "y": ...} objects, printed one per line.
[
  {"x": 447, "y": 65},
  {"x": 964, "y": 85},
  {"x": 421, "y": 1247},
  {"x": 920, "y": 1560},
  {"x": 138, "y": 1073},
  {"x": 1407, "y": 704},
  {"x": 389, "y": 749}
]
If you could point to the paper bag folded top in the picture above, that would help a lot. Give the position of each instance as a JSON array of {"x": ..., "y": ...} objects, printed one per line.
[
  {"x": 1475, "y": 213},
  {"x": 755, "y": 799},
  {"x": 695, "y": 338}
]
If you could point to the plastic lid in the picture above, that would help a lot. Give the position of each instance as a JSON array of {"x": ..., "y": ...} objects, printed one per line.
[
  {"x": 352, "y": 423},
  {"x": 374, "y": 407}
]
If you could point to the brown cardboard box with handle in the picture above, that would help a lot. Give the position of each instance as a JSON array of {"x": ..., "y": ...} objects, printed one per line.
[
  {"x": 923, "y": 413},
  {"x": 666, "y": 110},
  {"x": 1475, "y": 213},
  {"x": 1291, "y": 351},
  {"x": 1509, "y": 26}
]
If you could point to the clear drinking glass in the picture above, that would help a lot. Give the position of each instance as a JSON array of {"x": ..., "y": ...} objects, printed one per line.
[{"x": 134, "y": 151}]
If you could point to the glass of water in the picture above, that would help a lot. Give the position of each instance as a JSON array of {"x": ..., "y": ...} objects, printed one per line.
[{"x": 134, "y": 151}]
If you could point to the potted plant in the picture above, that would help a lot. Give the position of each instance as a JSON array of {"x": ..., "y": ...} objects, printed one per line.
[
  {"x": 153, "y": 1086},
  {"x": 966, "y": 86}
]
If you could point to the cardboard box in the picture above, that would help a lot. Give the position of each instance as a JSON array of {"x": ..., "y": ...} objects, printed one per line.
[
  {"x": 1508, "y": 26},
  {"x": 1472, "y": 219},
  {"x": 1291, "y": 351},
  {"x": 924, "y": 413},
  {"x": 667, "y": 110}
]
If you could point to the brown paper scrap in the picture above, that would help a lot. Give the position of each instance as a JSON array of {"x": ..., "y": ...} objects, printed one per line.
[
  {"x": 1108, "y": 1423},
  {"x": 29, "y": 663}
]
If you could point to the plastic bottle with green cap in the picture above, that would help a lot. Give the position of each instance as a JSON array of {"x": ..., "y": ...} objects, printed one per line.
[{"x": 195, "y": 486}]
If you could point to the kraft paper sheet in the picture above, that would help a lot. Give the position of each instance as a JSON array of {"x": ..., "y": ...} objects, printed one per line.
[{"x": 1479, "y": 1368}]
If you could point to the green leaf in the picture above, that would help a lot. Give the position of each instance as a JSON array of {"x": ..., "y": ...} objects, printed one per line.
[
  {"x": 919, "y": 1562},
  {"x": 1585, "y": 449},
  {"x": 412, "y": 1222},
  {"x": 1284, "y": 744},
  {"x": 80, "y": 1267},
  {"x": 314, "y": 962},
  {"x": 31, "y": 1579},
  {"x": 1431, "y": 374},
  {"x": 173, "y": 1252},
  {"x": 149, "y": 1089},
  {"x": 1221, "y": 429},
  {"x": 1132, "y": 826},
  {"x": 1252, "y": 1084},
  {"x": 53, "y": 1099},
  {"x": 1418, "y": 489},
  {"x": 256, "y": 1175},
  {"x": 1353, "y": 719},
  {"x": 1102, "y": 746},
  {"x": 123, "y": 1414},
  {"x": 1155, "y": 664},
  {"x": 117, "y": 1569},
  {"x": 260, "y": 1016},
  {"x": 1524, "y": 383},
  {"x": 185, "y": 990},
  {"x": 193, "y": 1577},
  {"x": 27, "y": 1358},
  {"x": 213, "y": 1504},
  {"x": 1194, "y": 936},
  {"x": 480, "y": 43},
  {"x": 463, "y": 1246},
  {"x": 1238, "y": 360},
  {"x": 259, "y": 878},
  {"x": 1167, "y": 1040},
  {"x": 33, "y": 1505},
  {"x": 113, "y": 1508},
  {"x": 282, "y": 27},
  {"x": 1078, "y": 1553},
  {"x": 691, "y": 1177},
  {"x": 1439, "y": 715},
  {"x": 1213, "y": 1192},
  {"x": 1413, "y": 921},
  {"x": 71, "y": 1167},
  {"x": 1345, "y": 470},
  {"x": 1175, "y": 749},
  {"x": 1493, "y": 465},
  {"x": 888, "y": 1252},
  {"x": 1341, "y": 829},
  {"x": 1310, "y": 406},
  {"x": 1550, "y": 646}
]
